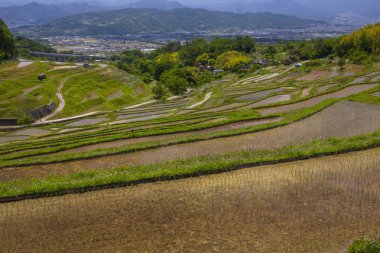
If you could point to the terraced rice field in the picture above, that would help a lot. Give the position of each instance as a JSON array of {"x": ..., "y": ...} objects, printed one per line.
[
  {"x": 318, "y": 205},
  {"x": 355, "y": 118},
  {"x": 313, "y": 101}
]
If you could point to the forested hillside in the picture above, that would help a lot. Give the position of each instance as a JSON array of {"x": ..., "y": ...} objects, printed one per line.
[
  {"x": 366, "y": 40},
  {"x": 7, "y": 42},
  {"x": 135, "y": 21}
]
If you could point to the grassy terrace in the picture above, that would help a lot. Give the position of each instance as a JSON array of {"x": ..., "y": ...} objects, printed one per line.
[
  {"x": 16, "y": 159},
  {"x": 100, "y": 179},
  {"x": 44, "y": 147},
  {"x": 40, "y": 148},
  {"x": 21, "y": 89},
  {"x": 105, "y": 89},
  {"x": 197, "y": 125}
]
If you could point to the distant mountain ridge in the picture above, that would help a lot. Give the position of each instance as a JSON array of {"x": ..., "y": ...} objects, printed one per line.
[
  {"x": 286, "y": 7},
  {"x": 137, "y": 21},
  {"x": 36, "y": 13},
  {"x": 156, "y": 4}
]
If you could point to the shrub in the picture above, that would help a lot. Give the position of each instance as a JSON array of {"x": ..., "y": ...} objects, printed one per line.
[
  {"x": 24, "y": 120},
  {"x": 365, "y": 246}
]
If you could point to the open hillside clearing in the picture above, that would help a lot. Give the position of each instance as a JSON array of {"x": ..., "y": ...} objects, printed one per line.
[
  {"x": 317, "y": 205},
  {"x": 355, "y": 118}
]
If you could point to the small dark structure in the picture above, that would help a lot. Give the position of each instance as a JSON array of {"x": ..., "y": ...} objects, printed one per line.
[
  {"x": 42, "y": 111},
  {"x": 8, "y": 122},
  {"x": 86, "y": 65},
  {"x": 41, "y": 77}
]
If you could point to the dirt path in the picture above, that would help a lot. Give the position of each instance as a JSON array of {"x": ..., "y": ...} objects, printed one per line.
[
  {"x": 345, "y": 119},
  {"x": 317, "y": 205},
  {"x": 61, "y": 104},
  {"x": 24, "y": 63},
  {"x": 207, "y": 98}
]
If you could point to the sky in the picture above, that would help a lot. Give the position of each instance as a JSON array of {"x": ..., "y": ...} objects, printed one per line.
[{"x": 333, "y": 5}]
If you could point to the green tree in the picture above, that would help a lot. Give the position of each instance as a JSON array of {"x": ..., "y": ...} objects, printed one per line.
[
  {"x": 175, "y": 80},
  {"x": 219, "y": 46},
  {"x": 131, "y": 56},
  {"x": 232, "y": 60},
  {"x": 203, "y": 59},
  {"x": 245, "y": 44},
  {"x": 190, "y": 52},
  {"x": 341, "y": 63},
  {"x": 271, "y": 51},
  {"x": 7, "y": 42},
  {"x": 160, "y": 92}
]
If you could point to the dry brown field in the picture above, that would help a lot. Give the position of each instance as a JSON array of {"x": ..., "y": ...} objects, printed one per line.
[
  {"x": 344, "y": 119},
  {"x": 317, "y": 205}
]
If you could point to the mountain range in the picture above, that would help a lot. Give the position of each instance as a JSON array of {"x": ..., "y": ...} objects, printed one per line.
[
  {"x": 143, "y": 21},
  {"x": 286, "y": 7},
  {"x": 36, "y": 13},
  {"x": 155, "y": 4}
]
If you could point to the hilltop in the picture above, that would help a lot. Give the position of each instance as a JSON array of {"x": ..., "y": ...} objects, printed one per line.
[{"x": 136, "y": 21}]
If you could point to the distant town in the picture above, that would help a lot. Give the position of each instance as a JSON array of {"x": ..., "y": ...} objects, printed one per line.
[{"x": 107, "y": 45}]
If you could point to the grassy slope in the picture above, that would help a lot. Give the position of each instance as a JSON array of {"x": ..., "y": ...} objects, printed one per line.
[
  {"x": 84, "y": 90},
  {"x": 106, "y": 89},
  {"x": 186, "y": 168},
  {"x": 15, "y": 84}
]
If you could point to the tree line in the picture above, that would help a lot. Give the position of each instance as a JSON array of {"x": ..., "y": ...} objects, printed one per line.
[{"x": 176, "y": 67}]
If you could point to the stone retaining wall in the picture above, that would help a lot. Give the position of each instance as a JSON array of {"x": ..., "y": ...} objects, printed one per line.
[
  {"x": 42, "y": 111},
  {"x": 8, "y": 122}
]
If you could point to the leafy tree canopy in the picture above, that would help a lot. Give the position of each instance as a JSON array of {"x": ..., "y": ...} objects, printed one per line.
[{"x": 7, "y": 42}]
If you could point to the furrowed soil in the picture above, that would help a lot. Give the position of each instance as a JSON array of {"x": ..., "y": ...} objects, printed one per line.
[
  {"x": 168, "y": 137},
  {"x": 344, "y": 119},
  {"x": 318, "y": 205}
]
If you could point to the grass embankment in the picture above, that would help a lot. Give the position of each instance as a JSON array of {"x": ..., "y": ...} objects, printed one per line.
[
  {"x": 30, "y": 158},
  {"x": 105, "y": 89},
  {"x": 50, "y": 148},
  {"x": 99, "y": 179},
  {"x": 112, "y": 133},
  {"x": 21, "y": 91}
]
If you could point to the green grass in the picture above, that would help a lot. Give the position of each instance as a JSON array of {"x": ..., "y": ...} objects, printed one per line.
[
  {"x": 187, "y": 168},
  {"x": 30, "y": 157},
  {"x": 15, "y": 83},
  {"x": 94, "y": 90}
]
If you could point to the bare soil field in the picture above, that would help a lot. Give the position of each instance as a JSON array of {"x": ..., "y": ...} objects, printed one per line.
[
  {"x": 259, "y": 95},
  {"x": 289, "y": 77},
  {"x": 377, "y": 94},
  {"x": 306, "y": 92},
  {"x": 314, "y": 75},
  {"x": 325, "y": 87},
  {"x": 5, "y": 139},
  {"x": 318, "y": 205},
  {"x": 31, "y": 132},
  {"x": 221, "y": 108},
  {"x": 316, "y": 100},
  {"x": 85, "y": 122},
  {"x": 358, "y": 80},
  {"x": 167, "y": 137},
  {"x": 272, "y": 100},
  {"x": 355, "y": 118},
  {"x": 375, "y": 79}
]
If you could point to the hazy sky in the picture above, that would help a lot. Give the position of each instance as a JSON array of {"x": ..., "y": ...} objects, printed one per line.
[{"x": 333, "y": 5}]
